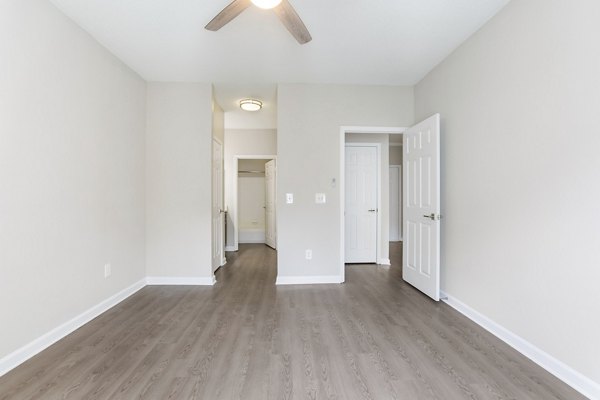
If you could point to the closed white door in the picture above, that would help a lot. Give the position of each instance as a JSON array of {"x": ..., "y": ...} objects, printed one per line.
[
  {"x": 421, "y": 207},
  {"x": 360, "y": 221},
  {"x": 218, "y": 254},
  {"x": 395, "y": 220},
  {"x": 270, "y": 229}
]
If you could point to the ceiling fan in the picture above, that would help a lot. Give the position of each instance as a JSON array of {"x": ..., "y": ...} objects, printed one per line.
[{"x": 282, "y": 8}]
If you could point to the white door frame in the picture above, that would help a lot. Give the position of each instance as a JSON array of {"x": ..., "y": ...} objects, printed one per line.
[
  {"x": 342, "y": 149},
  {"x": 234, "y": 211}
]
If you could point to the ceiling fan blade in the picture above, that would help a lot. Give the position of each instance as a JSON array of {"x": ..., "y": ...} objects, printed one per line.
[
  {"x": 292, "y": 22},
  {"x": 230, "y": 12}
]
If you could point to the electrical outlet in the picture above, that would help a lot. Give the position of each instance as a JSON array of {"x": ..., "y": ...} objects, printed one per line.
[
  {"x": 308, "y": 254},
  {"x": 289, "y": 198},
  {"x": 107, "y": 270},
  {"x": 320, "y": 198}
]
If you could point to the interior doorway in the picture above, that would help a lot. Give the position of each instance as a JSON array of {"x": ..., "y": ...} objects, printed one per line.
[
  {"x": 254, "y": 205},
  {"x": 380, "y": 138},
  {"x": 420, "y": 205}
]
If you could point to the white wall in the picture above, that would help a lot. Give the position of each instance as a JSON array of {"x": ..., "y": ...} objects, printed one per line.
[
  {"x": 309, "y": 121},
  {"x": 71, "y": 172},
  {"x": 243, "y": 142},
  {"x": 520, "y": 198},
  {"x": 383, "y": 226},
  {"x": 178, "y": 180}
]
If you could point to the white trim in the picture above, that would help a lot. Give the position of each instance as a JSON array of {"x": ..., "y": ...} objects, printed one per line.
[
  {"x": 562, "y": 371},
  {"x": 230, "y": 248},
  {"x": 384, "y": 261},
  {"x": 186, "y": 280},
  {"x": 342, "y": 144},
  {"x": 234, "y": 210},
  {"x": 308, "y": 280},
  {"x": 23, "y": 354}
]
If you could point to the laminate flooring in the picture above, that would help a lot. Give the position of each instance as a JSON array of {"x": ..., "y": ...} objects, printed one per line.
[{"x": 374, "y": 337}]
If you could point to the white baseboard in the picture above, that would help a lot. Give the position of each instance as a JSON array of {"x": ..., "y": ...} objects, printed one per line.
[
  {"x": 308, "y": 280},
  {"x": 568, "y": 375},
  {"x": 230, "y": 248},
  {"x": 186, "y": 280},
  {"x": 23, "y": 354},
  {"x": 384, "y": 261}
]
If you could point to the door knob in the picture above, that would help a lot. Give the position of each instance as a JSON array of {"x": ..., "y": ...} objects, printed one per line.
[
  {"x": 433, "y": 217},
  {"x": 371, "y": 210}
]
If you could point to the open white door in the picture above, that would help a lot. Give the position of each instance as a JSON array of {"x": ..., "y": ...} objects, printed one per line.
[
  {"x": 360, "y": 211},
  {"x": 270, "y": 229},
  {"x": 218, "y": 233},
  {"x": 421, "y": 207}
]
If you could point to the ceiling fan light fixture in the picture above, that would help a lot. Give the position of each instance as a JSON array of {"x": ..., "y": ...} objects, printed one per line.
[
  {"x": 251, "y": 104},
  {"x": 266, "y": 4}
]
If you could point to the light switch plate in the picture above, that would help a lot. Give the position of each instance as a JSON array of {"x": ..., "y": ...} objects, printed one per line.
[
  {"x": 289, "y": 198},
  {"x": 320, "y": 198}
]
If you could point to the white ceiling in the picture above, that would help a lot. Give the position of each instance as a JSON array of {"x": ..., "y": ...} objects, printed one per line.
[{"x": 377, "y": 42}]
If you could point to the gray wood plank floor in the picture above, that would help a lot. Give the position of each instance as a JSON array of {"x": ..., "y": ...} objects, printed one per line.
[{"x": 373, "y": 337}]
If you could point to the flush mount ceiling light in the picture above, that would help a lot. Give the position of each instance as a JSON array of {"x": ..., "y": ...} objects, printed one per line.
[
  {"x": 250, "y": 104},
  {"x": 266, "y": 4}
]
